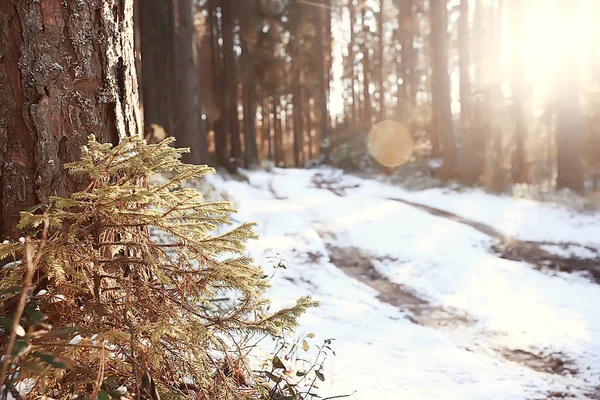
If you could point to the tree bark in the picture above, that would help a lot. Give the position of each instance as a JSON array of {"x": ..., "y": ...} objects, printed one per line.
[
  {"x": 442, "y": 117},
  {"x": 67, "y": 70}
]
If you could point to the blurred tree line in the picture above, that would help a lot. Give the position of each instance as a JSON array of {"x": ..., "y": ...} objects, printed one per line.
[{"x": 240, "y": 81}]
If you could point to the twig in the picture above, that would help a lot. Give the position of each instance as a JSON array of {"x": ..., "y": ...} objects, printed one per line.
[
  {"x": 31, "y": 262},
  {"x": 339, "y": 396},
  {"x": 100, "y": 377},
  {"x": 129, "y": 323}
]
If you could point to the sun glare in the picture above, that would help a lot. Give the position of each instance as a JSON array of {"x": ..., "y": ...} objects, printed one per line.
[{"x": 550, "y": 33}]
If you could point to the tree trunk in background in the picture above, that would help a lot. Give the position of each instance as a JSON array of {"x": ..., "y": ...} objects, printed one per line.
[
  {"x": 220, "y": 128},
  {"x": 466, "y": 113},
  {"x": 56, "y": 89},
  {"x": 321, "y": 60},
  {"x": 309, "y": 127},
  {"x": 407, "y": 92},
  {"x": 231, "y": 81},
  {"x": 277, "y": 132},
  {"x": 329, "y": 57},
  {"x": 474, "y": 148},
  {"x": 568, "y": 117},
  {"x": 442, "y": 117},
  {"x": 382, "y": 112},
  {"x": 367, "y": 113},
  {"x": 189, "y": 128},
  {"x": 519, "y": 166},
  {"x": 352, "y": 58},
  {"x": 594, "y": 41},
  {"x": 297, "y": 111},
  {"x": 251, "y": 153},
  {"x": 156, "y": 39}
]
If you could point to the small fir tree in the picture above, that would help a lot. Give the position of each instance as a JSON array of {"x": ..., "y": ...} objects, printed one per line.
[{"x": 93, "y": 304}]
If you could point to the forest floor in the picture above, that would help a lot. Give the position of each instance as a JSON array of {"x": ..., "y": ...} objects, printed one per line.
[{"x": 434, "y": 294}]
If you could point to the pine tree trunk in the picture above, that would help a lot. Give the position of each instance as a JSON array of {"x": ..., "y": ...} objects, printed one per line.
[
  {"x": 64, "y": 74},
  {"x": 442, "y": 117},
  {"x": 568, "y": 118},
  {"x": 189, "y": 127}
]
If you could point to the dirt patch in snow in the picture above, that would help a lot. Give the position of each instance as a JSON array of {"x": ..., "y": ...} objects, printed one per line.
[
  {"x": 358, "y": 264},
  {"x": 555, "y": 363},
  {"x": 566, "y": 257}
]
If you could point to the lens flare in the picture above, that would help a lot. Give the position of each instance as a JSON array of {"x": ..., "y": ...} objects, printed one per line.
[{"x": 390, "y": 143}]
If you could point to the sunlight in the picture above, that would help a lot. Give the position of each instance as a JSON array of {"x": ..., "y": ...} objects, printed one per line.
[{"x": 549, "y": 35}]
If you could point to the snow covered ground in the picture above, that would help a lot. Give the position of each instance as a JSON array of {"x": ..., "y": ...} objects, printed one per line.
[{"x": 514, "y": 317}]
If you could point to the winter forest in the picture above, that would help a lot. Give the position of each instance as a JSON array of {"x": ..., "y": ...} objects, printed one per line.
[{"x": 299, "y": 199}]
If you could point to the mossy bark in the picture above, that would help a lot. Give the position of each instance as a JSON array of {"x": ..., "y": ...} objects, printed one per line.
[{"x": 67, "y": 70}]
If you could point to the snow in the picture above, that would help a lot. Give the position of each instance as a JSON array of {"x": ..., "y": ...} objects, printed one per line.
[{"x": 381, "y": 354}]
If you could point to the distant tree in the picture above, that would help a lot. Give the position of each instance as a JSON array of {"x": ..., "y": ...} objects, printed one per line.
[
  {"x": 352, "y": 67},
  {"x": 441, "y": 126},
  {"x": 188, "y": 127},
  {"x": 408, "y": 89},
  {"x": 464, "y": 63},
  {"x": 380, "y": 58},
  {"x": 228, "y": 10},
  {"x": 322, "y": 83},
  {"x": 568, "y": 113},
  {"x": 519, "y": 164},
  {"x": 157, "y": 40},
  {"x": 66, "y": 73},
  {"x": 367, "y": 115}
]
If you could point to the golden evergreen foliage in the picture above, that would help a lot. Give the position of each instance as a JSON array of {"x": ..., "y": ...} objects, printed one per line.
[{"x": 110, "y": 307}]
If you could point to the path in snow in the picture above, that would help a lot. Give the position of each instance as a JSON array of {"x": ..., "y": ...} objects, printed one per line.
[{"x": 510, "y": 331}]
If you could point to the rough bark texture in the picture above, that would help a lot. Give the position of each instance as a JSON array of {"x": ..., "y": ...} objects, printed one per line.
[
  {"x": 442, "y": 117},
  {"x": 67, "y": 70}
]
